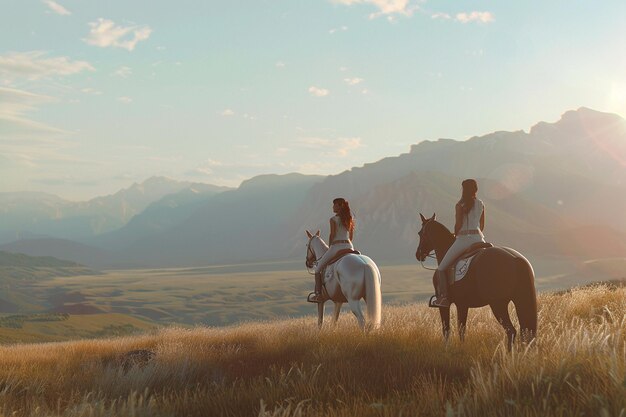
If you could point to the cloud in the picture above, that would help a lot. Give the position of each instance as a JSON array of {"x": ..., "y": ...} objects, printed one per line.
[
  {"x": 227, "y": 113},
  {"x": 340, "y": 147},
  {"x": 318, "y": 92},
  {"x": 385, "y": 7},
  {"x": 89, "y": 90},
  {"x": 353, "y": 81},
  {"x": 439, "y": 15},
  {"x": 34, "y": 65},
  {"x": 280, "y": 64},
  {"x": 57, "y": 8},
  {"x": 125, "y": 99},
  {"x": 481, "y": 17},
  {"x": 29, "y": 144},
  {"x": 14, "y": 106},
  {"x": 105, "y": 33},
  {"x": 123, "y": 72},
  {"x": 339, "y": 29}
]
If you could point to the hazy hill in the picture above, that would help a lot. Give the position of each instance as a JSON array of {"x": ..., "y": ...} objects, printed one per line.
[
  {"x": 66, "y": 249},
  {"x": 20, "y": 277},
  {"x": 19, "y": 259},
  {"x": 40, "y": 214},
  {"x": 159, "y": 216},
  {"x": 243, "y": 224}
]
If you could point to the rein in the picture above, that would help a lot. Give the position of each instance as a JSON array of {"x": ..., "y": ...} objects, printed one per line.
[
  {"x": 429, "y": 255},
  {"x": 310, "y": 269}
]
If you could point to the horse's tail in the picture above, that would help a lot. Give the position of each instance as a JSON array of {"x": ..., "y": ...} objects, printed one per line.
[
  {"x": 373, "y": 297},
  {"x": 525, "y": 300}
]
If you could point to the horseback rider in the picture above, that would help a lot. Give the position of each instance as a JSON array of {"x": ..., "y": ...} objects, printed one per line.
[
  {"x": 469, "y": 224},
  {"x": 341, "y": 233}
]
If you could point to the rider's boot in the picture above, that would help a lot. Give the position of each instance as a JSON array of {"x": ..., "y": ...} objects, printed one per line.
[
  {"x": 317, "y": 297},
  {"x": 442, "y": 299}
]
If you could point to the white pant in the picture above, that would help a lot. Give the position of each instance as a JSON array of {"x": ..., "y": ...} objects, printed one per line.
[
  {"x": 459, "y": 246},
  {"x": 330, "y": 253}
]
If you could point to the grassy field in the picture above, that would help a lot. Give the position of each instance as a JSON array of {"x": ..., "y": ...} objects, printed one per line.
[
  {"x": 576, "y": 367},
  {"x": 223, "y": 295},
  {"x": 37, "y": 328},
  {"x": 114, "y": 302}
]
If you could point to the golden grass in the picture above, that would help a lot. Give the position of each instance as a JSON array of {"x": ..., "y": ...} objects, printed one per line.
[{"x": 288, "y": 368}]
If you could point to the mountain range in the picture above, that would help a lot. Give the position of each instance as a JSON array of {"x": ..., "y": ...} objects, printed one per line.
[{"x": 557, "y": 190}]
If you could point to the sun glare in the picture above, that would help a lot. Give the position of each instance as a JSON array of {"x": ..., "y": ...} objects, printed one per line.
[{"x": 617, "y": 98}]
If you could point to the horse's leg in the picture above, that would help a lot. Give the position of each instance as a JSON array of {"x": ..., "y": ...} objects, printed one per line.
[
  {"x": 525, "y": 301},
  {"x": 336, "y": 311},
  {"x": 445, "y": 321},
  {"x": 461, "y": 320},
  {"x": 320, "y": 314},
  {"x": 501, "y": 311},
  {"x": 355, "y": 306}
]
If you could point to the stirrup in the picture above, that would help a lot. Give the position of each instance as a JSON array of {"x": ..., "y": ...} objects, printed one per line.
[
  {"x": 433, "y": 302},
  {"x": 315, "y": 298}
]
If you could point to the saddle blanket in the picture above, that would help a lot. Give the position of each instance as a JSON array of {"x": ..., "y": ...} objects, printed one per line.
[
  {"x": 329, "y": 272},
  {"x": 460, "y": 269}
]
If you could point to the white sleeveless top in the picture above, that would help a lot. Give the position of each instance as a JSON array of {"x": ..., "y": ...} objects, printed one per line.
[
  {"x": 471, "y": 221},
  {"x": 341, "y": 233}
]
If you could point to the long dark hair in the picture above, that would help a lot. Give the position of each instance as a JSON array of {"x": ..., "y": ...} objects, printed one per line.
[
  {"x": 345, "y": 215},
  {"x": 470, "y": 188}
]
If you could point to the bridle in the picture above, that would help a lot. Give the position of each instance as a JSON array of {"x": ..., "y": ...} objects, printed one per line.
[
  {"x": 429, "y": 254},
  {"x": 310, "y": 266}
]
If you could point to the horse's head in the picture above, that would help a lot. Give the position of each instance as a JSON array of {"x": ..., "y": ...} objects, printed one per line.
[
  {"x": 426, "y": 244},
  {"x": 312, "y": 247}
]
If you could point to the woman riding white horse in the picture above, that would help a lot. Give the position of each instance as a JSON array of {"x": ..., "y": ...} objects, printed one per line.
[
  {"x": 341, "y": 234},
  {"x": 354, "y": 277}
]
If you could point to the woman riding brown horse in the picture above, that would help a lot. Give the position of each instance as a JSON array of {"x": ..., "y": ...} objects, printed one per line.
[{"x": 496, "y": 276}]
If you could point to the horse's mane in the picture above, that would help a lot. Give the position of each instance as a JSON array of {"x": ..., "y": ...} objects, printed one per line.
[
  {"x": 322, "y": 241},
  {"x": 439, "y": 227}
]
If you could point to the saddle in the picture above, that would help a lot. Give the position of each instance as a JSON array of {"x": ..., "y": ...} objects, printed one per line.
[
  {"x": 329, "y": 271},
  {"x": 462, "y": 262},
  {"x": 341, "y": 254}
]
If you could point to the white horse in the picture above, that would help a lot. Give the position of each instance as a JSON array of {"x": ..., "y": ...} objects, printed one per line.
[{"x": 355, "y": 277}]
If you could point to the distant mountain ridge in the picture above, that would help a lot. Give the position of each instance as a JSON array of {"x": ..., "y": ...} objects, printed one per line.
[
  {"x": 41, "y": 215},
  {"x": 546, "y": 192}
]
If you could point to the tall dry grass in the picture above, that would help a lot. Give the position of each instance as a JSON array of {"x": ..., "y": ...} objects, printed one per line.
[{"x": 289, "y": 368}]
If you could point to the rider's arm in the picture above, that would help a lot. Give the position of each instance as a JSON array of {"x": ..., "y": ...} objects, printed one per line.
[
  {"x": 459, "y": 219},
  {"x": 332, "y": 232},
  {"x": 482, "y": 220}
]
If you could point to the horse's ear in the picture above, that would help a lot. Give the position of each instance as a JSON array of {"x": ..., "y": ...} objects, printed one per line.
[
  {"x": 318, "y": 232},
  {"x": 434, "y": 217},
  {"x": 308, "y": 234},
  {"x": 423, "y": 218}
]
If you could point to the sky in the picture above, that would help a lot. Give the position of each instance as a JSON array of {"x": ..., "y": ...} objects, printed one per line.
[{"x": 96, "y": 95}]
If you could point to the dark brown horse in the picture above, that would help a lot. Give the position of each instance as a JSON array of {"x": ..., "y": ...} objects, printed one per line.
[{"x": 496, "y": 277}]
